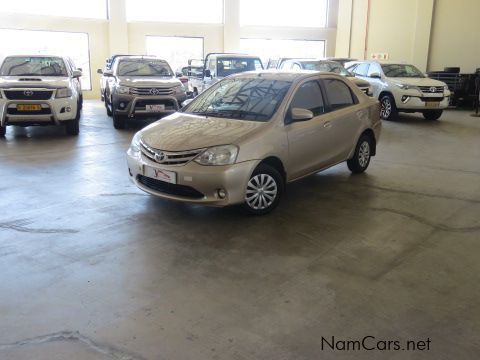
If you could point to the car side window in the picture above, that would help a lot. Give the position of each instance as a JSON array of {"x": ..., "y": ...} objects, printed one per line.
[
  {"x": 309, "y": 96},
  {"x": 339, "y": 94},
  {"x": 374, "y": 68},
  {"x": 296, "y": 67},
  {"x": 285, "y": 66},
  {"x": 361, "y": 69}
]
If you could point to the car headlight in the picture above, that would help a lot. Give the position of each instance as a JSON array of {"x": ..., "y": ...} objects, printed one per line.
[
  {"x": 135, "y": 144},
  {"x": 63, "y": 93},
  {"x": 408, "y": 87},
  {"x": 446, "y": 88},
  {"x": 179, "y": 89},
  {"x": 122, "y": 90},
  {"x": 218, "y": 155}
]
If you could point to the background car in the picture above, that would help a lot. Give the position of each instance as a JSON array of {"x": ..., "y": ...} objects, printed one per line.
[
  {"x": 403, "y": 88},
  {"x": 328, "y": 66},
  {"x": 142, "y": 87},
  {"x": 39, "y": 90},
  {"x": 247, "y": 136}
]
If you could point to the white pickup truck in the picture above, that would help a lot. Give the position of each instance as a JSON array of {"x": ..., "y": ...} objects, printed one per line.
[{"x": 39, "y": 90}]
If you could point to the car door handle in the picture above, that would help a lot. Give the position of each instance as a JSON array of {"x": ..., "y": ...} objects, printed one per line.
[{"x": 327, "y": 124}]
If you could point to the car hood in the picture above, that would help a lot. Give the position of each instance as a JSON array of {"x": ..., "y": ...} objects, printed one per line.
[
  {"x": 145, "y": 81},
  {"x": 33, "y": 82},
  {"x": 179, "y": 132},
  {"x": 418, "y": 81},
  {"x": 358, "y": 82}
]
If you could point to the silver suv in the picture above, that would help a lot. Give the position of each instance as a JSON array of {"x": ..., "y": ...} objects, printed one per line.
[{"x": 142, "y": 87}]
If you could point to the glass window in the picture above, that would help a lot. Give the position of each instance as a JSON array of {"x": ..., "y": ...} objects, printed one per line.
[
  {"x": 327, "y": 66},
  {"x": 176, "y": 11},
  {"x": 296, "y": 67},
  {"x": 309, "y": 96},
  {"x": 339, "y": 94},
  {"x": 374, "y": 69},
  {"x": 301, "y": 13},
  {"x": 144, "y": 67},
  {"x": 175, "y": 50},
  {"x": 252, "y": 99},
  {"x": 268, "y": 49},
  {"x": 361, "y": 69},
  {"x": 399, "y": 70},
  {"x": 32, "y": 42},
  {"x": 96, "y": 9},
  {"x": 229, "y": 66}
]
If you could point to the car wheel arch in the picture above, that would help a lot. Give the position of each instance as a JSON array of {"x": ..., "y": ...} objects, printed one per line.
[{"x": 277, "y": 164}]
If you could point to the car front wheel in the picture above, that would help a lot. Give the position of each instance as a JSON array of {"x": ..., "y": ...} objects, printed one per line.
[
  {"x": 361, "y": 158},
  {"x": 3, "y": 131},
  {"x": 119, "y": 121},
  {"x": 432, "y": 114},
  {"x": 388, "y": 109},
  {"x": 264, "y": 190}
]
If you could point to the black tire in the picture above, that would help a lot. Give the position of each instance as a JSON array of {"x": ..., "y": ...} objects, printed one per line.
[
  {"x": 388, "y": 108},
  {"x": 432, "y": 114},
  {"x": 3, "y": 131},
  {"x": 119, "y": 121},
  {"x": 265, "y": 182},
  {"x": 108, "y": 106},
  {"x": 362, "y": 155},
  {"x": 195, "y": 92},
  {"x": 72, "y": 127},
  {"x": 80, "y": 104}
]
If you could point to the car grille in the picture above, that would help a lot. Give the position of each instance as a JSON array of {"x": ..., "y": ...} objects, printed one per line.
[
  {"x": 169, "y": 157},
  {"x": 432, "y": 89},
  {"x": 28, "y": 94},
  {"x": 151, "y": 91},
  {"x": 170, "y": 189}
]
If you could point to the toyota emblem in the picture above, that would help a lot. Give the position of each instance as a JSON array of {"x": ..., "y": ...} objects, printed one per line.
[
  {"x": 28, "y": 93},
  {"x": 160, "y": 157},
  {"x": 433, "y": 89},
  {"x": 155, "y": 91}
]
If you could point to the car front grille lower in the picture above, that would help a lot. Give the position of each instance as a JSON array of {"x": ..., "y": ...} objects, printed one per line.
[
  {"x": 432, "y": 99},
  {"x": 432, "y": 89},
  {"x": 151, "y": 91},
  {"x": 14, "y": 111},
  {"x": 28, "y": 94},
  {"x": 169, "y": 157},
  {"x": 170, "y": 189}
]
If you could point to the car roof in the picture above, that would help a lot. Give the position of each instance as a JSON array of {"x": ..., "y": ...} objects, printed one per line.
[
  {"x": 274, "y": 74},
  {"x": 36, "y": 55},
  {"x": 235, "y": 55},
  {"x": 381, "y": 62},
  {"x": 139, "y": 57}
]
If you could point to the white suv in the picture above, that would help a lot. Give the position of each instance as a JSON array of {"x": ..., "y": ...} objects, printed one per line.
[
  {"x": 39, "y": 90},
  {"x": 403, "y": 88}
]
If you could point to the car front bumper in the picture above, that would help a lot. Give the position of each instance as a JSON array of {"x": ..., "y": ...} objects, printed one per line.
[
  {"x": 54, "y": 111},
  {"x": 195, "y": 183},
  {"x": 406, "y": 102},
  {"x": 132, "y": 106}
]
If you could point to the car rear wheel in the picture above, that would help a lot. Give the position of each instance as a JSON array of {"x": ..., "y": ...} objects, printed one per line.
[
  {"x": 361, "y": 158},
  {"x": 432, "y": 114},
  {"x": 119, "y": 121},
  {"x": 264, "y": 190},
  {"x": 388, "y": 109}
]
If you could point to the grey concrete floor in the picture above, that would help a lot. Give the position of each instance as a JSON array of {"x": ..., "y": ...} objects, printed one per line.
[{"x": 92, "y": 268}]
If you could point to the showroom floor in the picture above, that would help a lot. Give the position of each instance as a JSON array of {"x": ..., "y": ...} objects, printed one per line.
[{"x": 92, "y": 268}]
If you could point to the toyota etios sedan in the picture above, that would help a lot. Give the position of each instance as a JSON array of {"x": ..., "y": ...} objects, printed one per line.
[{"x": 244, "y": 138}]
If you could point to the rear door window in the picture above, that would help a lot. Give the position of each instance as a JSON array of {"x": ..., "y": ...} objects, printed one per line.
[{"x": 339, "y": 94}]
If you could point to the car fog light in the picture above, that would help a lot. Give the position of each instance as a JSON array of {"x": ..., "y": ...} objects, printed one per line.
[
  {"x": 405, "y": 98},
  {"x": 222, "y": 194},
  {"x": 68, "y": 109},
  {"x": 122, "y": 105}
]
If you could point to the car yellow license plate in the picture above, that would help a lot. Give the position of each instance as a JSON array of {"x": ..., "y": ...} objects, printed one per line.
[
  {"x": 432, "y": 104},
  {"x": 29, "y": 107}
]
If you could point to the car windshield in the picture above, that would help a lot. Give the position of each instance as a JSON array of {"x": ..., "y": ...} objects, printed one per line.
[
  {"x": 234, "y": 65},
  {"x": 144, "y": 67},
  {"x": 253, "y": 99},
  {"x": 401, "y": 71},
  {"x": 33, "y": 66},
  {"x": 333, "y": 67}
]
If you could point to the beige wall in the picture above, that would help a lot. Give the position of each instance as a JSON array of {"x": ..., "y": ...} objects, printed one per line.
[
  {"x": 456, "y": 35},
  {"x": 429, "y": 33}
]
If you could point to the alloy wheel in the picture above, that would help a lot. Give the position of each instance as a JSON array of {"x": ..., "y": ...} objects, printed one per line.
[
  {"x": 261, "y": 192},
  {"x": 386, "y": 108},
  {"x": 364, "y": 154}
]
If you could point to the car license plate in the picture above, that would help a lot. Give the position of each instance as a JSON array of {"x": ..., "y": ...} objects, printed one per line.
[
  {"x": 156, "y": 108},
  {"x": 160, "y": 174},
  {"x": 29, "y": 107},
  {"x": 432, "y": 104}
]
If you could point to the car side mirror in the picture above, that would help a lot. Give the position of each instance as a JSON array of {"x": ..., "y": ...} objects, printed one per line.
[
  {"x": 299, "y": 114},
  {"x": 375, "y": 76},
  {"x": 100, "y": 71},
  {"x": 77, "y": 74},
  {"x": 208, "y": 73}
]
